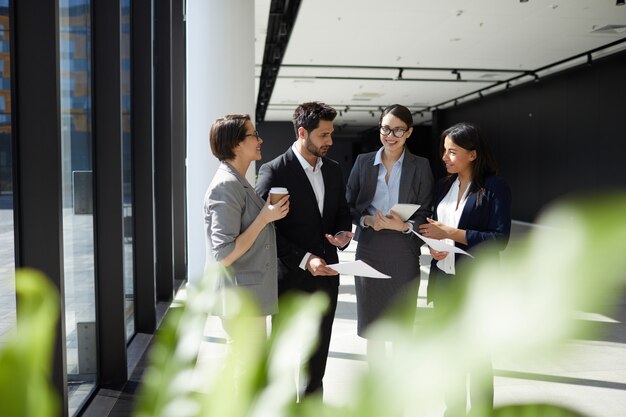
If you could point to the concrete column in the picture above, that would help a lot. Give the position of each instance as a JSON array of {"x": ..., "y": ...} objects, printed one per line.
[{"x": 220, "y": 80}]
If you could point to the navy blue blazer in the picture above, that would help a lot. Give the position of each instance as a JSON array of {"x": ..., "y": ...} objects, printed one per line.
[
  {"x": 303, "y": 229},
  {"x": 489, "y": 221}
]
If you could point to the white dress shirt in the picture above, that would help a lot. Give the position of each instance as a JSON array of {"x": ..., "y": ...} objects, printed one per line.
[
  {"x": 449, "y": 214},
  {"x": 314, "y": 174}
]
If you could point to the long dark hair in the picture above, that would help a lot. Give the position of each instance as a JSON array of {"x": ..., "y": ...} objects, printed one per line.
[{"x": 471, "y": 138}]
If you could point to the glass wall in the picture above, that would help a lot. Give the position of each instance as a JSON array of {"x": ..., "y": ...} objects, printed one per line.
[
  {"x": 78, "y": 222},
  {"x": 129, "y": 286},
  {"x": 7, "y": 245}
]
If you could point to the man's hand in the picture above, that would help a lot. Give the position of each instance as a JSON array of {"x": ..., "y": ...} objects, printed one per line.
[
  {"x": 340, "y": 239},
  {"x": 317, "y": 267}
]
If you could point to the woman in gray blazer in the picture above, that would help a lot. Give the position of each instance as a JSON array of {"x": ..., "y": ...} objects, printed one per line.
[
  {"x": 378, "y": 181},
  {"x": 239, "y": 230}
]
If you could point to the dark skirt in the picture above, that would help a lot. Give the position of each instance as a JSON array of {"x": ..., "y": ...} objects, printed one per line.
[{"x": 392, "y": 253}]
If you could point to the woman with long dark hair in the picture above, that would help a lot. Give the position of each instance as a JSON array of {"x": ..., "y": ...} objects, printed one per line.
[{"x": 472, "y": 206}]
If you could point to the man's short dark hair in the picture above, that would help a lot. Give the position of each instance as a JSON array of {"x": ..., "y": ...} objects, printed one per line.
[{"x": 308, "y": 115}]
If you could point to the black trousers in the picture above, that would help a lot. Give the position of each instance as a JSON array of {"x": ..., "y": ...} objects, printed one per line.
[
  {"x": 316, "y": 366},
  {"x": 479, "y": 375}
]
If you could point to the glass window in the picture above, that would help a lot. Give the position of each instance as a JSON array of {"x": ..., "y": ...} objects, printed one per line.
[
  {"x": 127, "y": 166},
  {"x": 78, "y": 224},
  {"x": 7, "y": 236}
]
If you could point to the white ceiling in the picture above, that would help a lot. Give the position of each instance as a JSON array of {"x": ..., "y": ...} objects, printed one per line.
[{"x": 488, "y": 35}]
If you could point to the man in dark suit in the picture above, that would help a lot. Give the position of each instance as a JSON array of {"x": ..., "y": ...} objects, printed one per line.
[{"x": 318, "y": 221}]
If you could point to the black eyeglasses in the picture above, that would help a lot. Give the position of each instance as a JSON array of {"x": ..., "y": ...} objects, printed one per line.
[
  {"x": 255, "y": 134},
  {"x": 397, "y": 132}
]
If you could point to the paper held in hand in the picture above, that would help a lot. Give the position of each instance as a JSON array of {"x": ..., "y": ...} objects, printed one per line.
[
  {"x": 405, "y": 211},
  {"x": 441, "y": 246},
  {"x": 358, "y": 268}
]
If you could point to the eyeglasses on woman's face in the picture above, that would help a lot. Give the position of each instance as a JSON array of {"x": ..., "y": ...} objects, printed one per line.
[
  {"x": 255, "y": 134},
  {"x": 397, "y": 132}
]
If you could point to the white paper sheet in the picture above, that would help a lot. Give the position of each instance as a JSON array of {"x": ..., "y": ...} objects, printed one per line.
[
  {"x": 359, "y": 268},
  {"x": 441, "y": 246},
  {"x": 405, "y": 211}
]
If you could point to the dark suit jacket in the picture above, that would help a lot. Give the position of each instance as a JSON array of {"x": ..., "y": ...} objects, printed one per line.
[
  {"x": 490, "y": 221},
  {"x": 416, "y": 186},
  {"x": 303, "y": 229}
]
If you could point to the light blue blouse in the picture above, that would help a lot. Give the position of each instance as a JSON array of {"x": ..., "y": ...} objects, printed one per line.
[{"x": 386, "y": 195}]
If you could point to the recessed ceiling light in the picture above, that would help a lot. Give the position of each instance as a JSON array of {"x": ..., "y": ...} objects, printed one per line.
[{"x": 368, "y": 95}]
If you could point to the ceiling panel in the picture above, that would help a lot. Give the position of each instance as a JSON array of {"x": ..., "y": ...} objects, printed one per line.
[{"x": 492, "y": 36}]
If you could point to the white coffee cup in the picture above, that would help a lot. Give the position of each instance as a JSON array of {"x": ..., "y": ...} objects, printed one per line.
[{"x": 276, "y": 193}]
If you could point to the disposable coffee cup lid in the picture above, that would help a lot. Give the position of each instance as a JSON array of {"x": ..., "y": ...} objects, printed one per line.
[{"x": 278, "y": 190}]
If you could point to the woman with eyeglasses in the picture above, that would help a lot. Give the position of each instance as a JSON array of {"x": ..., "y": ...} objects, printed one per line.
[
  {"x": 378, "y": 181},
  {"x": 239, "y": 230}
]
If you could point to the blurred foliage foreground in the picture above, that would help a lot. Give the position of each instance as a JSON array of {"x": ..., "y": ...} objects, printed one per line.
[{"x": 520, "y": 307}]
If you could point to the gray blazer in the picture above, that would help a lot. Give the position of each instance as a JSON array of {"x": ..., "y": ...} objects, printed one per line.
[
  {"x": 230, "y": 206},
  {"x": 416, "y": 186}
]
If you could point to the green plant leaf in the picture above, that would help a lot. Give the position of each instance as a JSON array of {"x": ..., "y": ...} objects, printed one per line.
[
  {"x": 520, "y": 307},
  {"x": 255, "y": 376},
  {"x": 534, "y": 410},
  {"x": 26, "y": 356}
]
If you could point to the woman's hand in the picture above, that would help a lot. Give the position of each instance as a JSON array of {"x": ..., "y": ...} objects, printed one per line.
[
  {"x": 373, "y": 222},
  {"x": 390, "y": 222},
  {"x": 435, "y": 230},
  {"x": 245, "y": 240},
  {"x": 394, "y": 222},
  {"x": 273, "y": 212},
  {"x": 437, "y": 255}
]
